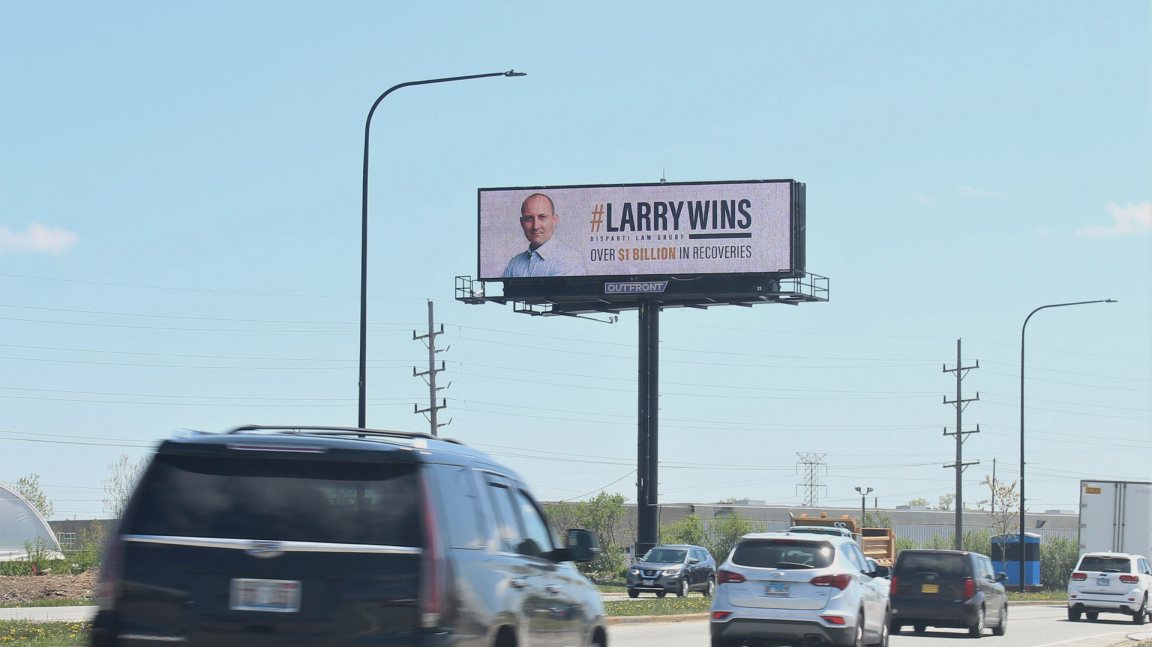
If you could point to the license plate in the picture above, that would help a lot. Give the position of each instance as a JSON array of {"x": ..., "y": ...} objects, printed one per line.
[
  {"x": 929, "y": 588},
  {"x": 776, "y": 590},
  {"x": 1103, "y": 581},
  {"x": 282, "y": 596},
  {"x": 648, "y": 582}
]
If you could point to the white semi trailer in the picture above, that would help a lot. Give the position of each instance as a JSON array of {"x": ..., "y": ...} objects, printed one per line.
[{"x": 1116, "y": 516}]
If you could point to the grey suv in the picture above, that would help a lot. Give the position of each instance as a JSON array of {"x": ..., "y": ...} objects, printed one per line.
[
  {"x": 333, "y": 536},
  {"x": 673, "y": 569}
]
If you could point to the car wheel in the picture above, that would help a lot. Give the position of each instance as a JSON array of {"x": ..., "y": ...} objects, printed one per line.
[
  {"x": 682, "y": 592},
  {"x": 661, "y": 594},
  {"x": 976, "y": 630},
  {"x": 1073, "y": 615},
  {"x": 1092, "y": 616},
  {"x": 711, "y": 588},
  {"x": 884, "y": 631},
  {"x": 632, "y": 593},
  {"x": 895, "y": 628},
  {"x": 859, "y": 641},
  {"x": 1002, "y": 628},
  {"x": 1142, "y": 612},
  {"x": 919, "y": 628}
]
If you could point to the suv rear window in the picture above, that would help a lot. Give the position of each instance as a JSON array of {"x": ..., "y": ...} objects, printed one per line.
[
  {"x": 277, "y": 499},
  {"x": 1105, "y": 564},
  {"x": 941, "y": 565},
  {"x": 783, "y": 554}
]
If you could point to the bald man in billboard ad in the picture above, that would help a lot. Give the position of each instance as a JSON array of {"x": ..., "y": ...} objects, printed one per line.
[{"x": 545, "y": 256}]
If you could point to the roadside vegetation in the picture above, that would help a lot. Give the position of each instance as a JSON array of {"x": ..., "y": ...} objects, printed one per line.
[
  {"x": 45, "y": 634},
  {"x": 657, "y": 606}
]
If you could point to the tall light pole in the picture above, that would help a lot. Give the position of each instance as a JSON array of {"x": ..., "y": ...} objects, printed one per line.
[
  {"x": 863, "y": 499},
  {"x": 364, "y": 229},
  {"x": 1024, "y": 329}
]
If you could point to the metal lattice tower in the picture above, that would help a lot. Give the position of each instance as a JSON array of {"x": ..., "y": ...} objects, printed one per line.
[{"x": 812, "y": 464}]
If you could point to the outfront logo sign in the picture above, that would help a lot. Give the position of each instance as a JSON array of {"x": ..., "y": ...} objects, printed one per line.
[{"x": 640, "y": 287}]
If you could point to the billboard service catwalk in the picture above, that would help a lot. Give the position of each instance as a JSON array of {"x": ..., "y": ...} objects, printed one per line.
[{"x": 637, "y": 230}]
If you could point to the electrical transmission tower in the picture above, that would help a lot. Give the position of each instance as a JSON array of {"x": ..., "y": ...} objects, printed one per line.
[
  {"x": 812, "y": 464},
  {"x": 961, "y": 403},
  {"x": 430, "y": 375}
]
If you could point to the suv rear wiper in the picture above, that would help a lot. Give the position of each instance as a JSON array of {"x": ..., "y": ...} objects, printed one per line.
[{"x": 792, "y": 565}]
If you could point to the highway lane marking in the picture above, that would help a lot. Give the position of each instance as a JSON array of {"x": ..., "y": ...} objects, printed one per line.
[{"x": 1090, "y": 641}]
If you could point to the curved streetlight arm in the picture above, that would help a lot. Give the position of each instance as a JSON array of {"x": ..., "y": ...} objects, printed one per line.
[
  {"x": 364, "y": 229},
  {"x": 1024, "y": 329}
]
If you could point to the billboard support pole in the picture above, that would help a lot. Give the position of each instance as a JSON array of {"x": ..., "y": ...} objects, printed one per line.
[{"x": 647, "y": 437}]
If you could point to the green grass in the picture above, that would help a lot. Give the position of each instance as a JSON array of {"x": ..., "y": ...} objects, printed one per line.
[
  {"x": 1055, "y": 596},
  {"x": 44, "y": 634},
  {"x": 657, "y": 606},
  {"x": 63, "y": 602},
  {"x": 612, "y": 588}
]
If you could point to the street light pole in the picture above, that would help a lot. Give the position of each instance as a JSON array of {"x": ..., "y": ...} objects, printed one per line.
[
  {"x": 863, "y": 502},
  {"x": 364, "y": 229},
  {"x": 1024, "y": 329}
]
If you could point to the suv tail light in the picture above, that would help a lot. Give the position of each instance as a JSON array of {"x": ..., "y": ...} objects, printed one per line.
[
  {"x": 836, "y": 581},
  {"x": 969, "y": 587},
  {"x": 892, "y": 591},
  {"x": 433, "y": 569},
  {"x": 728, "y": 577},
  {"x": 1079, "y": 576},
  {"x": 1129, "y": 579},
  {"x": 111, "y": 573}
]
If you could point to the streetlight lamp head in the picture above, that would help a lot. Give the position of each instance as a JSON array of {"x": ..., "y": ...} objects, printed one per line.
[
  {"x": 1109, "y": 300},
  {"x": 515, "y": 73}
]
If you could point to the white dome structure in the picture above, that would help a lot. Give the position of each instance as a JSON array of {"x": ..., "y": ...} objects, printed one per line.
[{"x": 20, "y": 522}]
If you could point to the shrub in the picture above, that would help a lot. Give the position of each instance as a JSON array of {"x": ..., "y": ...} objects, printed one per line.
[{"x": 1058, "y": 557}]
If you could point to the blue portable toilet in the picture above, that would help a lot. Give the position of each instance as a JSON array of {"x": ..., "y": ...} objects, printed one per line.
[{"x": 1006, "y": 558}]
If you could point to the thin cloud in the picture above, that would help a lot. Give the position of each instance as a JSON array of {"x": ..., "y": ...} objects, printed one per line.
[
  {"x": 1044, "y": 232},
  {"x": 38, "y": 238},
  {"x": 926, "y": 199},
  {"x": 1127, "y": 220},
  {"x": 980, "y": 193}
]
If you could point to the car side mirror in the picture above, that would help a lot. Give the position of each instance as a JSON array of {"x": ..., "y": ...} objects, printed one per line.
[
  {"x": 882, "y": 571},
  {"x": 582, "y": 547},
  {"x": 1001, "y": 577},
  {"x": 693, "y": 561}
]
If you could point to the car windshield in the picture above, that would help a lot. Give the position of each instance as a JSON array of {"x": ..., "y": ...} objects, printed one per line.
[
  {"x": 1105, "y": 564},
  {"x": 283, "y": 500},
  {"x": 665, "y": 555},
  {"x": 940, "y": 565},
  {"x": 783, "y": 554}
]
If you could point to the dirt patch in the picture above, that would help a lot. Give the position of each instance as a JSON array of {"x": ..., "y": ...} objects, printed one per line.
[{"x": 20, "y": 590}]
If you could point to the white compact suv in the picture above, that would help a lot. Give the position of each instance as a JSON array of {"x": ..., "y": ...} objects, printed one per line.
[
  {"x": 1110, "y": 583},
  {"x": 800, "y": 588}
]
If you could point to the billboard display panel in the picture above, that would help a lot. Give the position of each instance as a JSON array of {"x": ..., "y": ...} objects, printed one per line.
[{"x": 638, "y": 230}]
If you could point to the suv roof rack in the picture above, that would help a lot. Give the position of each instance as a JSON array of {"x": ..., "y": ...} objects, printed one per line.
[{"x": 341, "y": 431}]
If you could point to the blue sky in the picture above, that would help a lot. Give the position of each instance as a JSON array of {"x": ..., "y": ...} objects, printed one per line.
[{"x": 180, "y": 231}]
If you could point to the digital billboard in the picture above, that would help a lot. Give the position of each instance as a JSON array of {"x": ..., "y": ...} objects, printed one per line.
[{"x": 666, "y": 229}]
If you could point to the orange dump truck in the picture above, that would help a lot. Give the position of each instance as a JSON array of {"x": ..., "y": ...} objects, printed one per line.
[{"x": 877, "y": 543}]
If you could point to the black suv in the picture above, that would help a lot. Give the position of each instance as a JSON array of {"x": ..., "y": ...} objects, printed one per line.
[
  {"x": 947, "y": 588},
  {"x": 334, "y": 536},
  {"x": 673, "y": 569}
]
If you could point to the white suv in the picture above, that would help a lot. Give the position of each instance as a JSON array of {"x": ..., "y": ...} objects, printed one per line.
[
  {"x": 1110, "y": 583},
  {"x": 799, "y": 588}
]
